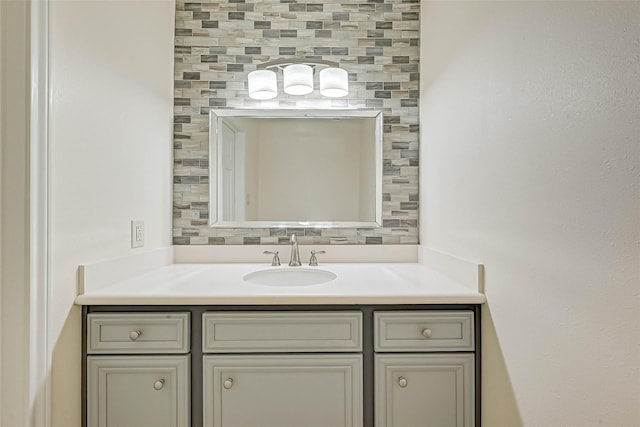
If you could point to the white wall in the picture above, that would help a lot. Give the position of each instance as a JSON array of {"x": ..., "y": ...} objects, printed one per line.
[
  {"x": 14, "y": 213},
  {"x": 530, "y": 162},
  {"x": 111, "y": 114}
]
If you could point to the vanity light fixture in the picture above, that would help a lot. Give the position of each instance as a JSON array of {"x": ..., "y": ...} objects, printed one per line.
[
  {"x": 297, "y": 78},
  {"x": 263, "y": 84}
]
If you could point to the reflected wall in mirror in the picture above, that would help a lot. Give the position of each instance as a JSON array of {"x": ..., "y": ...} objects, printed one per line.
[{"x": 302, "y": 168}]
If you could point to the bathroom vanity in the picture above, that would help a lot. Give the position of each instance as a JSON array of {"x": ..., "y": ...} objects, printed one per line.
[
  {"x": 381, "y": 345},
  {"x": 279, "y": 366}
]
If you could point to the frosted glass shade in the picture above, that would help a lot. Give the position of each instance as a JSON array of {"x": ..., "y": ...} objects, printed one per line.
[
  {"x": 298, "y": 79},
  {"x": 263, "y": 84},
  {"x": 334, "y": 82}
]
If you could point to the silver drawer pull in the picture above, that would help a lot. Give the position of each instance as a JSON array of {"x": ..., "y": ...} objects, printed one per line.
[
  {"x": 402, "y": 382},
  {"x": 134, "y": 335},
  {"x": 158, "y": 385},
  {"x": 228, "y": 383},
  {"x": 426, "y": 333}
]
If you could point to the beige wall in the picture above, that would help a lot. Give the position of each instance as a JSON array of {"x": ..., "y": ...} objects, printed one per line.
[
  {"x": 318, "y": 195},
  {"x": 530, "y": 164},
  {"x": 111, "y": 114},
  {"x": 14, "y": 213}
]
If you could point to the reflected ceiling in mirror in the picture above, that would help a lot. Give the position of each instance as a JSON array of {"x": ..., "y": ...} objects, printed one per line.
[{"x": 295, "y": 168}]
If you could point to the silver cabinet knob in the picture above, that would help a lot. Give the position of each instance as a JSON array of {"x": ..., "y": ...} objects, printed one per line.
[
  {"x": 228, "y": 383},
  {"x": 426, "y": 333},
  {"x": 402, "y": 382},
  {"x": 158, "y": 385},
  {"x": 134, "y": 335}
]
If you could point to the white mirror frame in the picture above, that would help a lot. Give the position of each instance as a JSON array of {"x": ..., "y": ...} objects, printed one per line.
[{"x": 216, "y": 208}]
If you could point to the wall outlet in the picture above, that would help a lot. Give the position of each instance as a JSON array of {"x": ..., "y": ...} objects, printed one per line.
[{"x": 137, "y": 234}]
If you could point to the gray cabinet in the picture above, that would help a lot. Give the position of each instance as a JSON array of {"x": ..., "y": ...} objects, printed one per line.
[
  {"x": 134, "y": 391},
  {"x": 426, "y": 390},
  {"x": 134, "y": 376},
  {"x": 256, "y": 388},
  {"x": 286, "y": 366},
  {"x": 283, "y": 391},
  {"x": 418, "y": 380}
]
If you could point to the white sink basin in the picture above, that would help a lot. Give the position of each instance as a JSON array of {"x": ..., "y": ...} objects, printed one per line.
[{"x": 292, "y": 276}]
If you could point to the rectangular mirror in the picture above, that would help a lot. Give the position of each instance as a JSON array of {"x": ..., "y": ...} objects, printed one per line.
[{"x": 295, "y": 168}]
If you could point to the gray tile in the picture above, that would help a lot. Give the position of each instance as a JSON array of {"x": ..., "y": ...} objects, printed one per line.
[
  {"x": 271, "y": 34},
  {"x": 237, "y": 16},
  {"x": 217, "y": 44},
  {"x": 410, "y": 16},
  {"x": 340, "y": 16},
  {"x": 262, "y": 25},
  {"x": 287, "y": 50},
  {"x": 323, "y": 33},
  {"x": 200, "y": 16},
  {"x": 191, "y": 76},
  {"x": 400, "y": 59},
  {"x": 245, "y": 7},
  {"x": 214, "y": 102},
  {"x": 384, "y": 25}
]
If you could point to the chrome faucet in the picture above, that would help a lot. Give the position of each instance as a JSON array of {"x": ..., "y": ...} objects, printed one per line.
[
  {"x": 275, "y": 261},
  {"x": 295, "y": 255}
]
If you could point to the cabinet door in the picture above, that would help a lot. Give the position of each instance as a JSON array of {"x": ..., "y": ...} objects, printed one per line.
[
  {"x": 138, "y": 391},
  {"x": 283, "y": 391},
  {"x": 424, "y": 390}
]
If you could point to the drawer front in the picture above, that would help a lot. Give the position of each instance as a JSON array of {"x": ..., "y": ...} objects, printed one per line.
[
  {"x": 423, "y": 331},
  {"x": 111, "y": 333},
  {"x": 243, "y": 332}
]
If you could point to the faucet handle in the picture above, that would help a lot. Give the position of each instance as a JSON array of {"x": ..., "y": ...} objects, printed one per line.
[
  {"x": 313, "y": 261},
  {"x": 276, "y": 259}
]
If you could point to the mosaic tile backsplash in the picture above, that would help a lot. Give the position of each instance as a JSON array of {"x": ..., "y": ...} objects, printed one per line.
[{"x": 218, "y": 43}]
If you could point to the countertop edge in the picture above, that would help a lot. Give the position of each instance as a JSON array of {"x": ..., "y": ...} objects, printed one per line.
[{"x": 278, "y": 300}]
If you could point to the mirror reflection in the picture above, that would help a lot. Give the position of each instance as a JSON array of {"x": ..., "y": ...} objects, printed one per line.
[{"x": 311, "y": 168}]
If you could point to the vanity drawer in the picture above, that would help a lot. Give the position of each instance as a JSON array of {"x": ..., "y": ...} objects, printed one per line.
[
  {"x": 110, "y": 333},
  {"x": 423, "y": 331},
  {"x": 280, "y": 332}
]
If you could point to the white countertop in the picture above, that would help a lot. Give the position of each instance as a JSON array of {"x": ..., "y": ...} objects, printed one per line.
[{"x": 222, "y": 284}]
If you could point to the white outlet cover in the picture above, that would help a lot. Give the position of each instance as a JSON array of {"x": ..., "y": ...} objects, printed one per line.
[{"x": 137, "y": 234}]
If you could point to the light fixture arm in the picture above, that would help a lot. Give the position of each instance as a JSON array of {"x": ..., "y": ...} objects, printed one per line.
[{"x": 283, "y": 62}]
